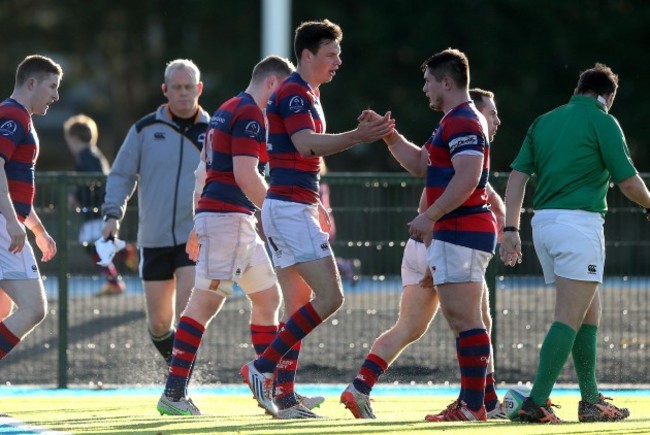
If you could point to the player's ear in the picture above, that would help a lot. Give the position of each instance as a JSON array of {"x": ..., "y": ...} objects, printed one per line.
[
  {"x": 306, "y": 54},
  {"x": 31, "y": 83},
  {"x": 271, "y": 81},
  {"x": 164, "y": 87}
]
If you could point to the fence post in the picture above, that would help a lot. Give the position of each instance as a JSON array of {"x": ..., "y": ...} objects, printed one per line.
[{"x": 62, "y": 218}]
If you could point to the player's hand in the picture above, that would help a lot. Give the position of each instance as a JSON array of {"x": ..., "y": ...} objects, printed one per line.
[
  {"x": 192, "y": 246},
  {"x": 421, "y": 228},
  {"x": 373, "y": 127},
  {"x": 111, "y": 228},
  {"x": 47, "y": 245},
  {"x": 510, "y": 248},
  {"x": 324, "y": 218},
  {"x": 427, "y": 280},
  {"x": 17, "y": 236},
  {"x": 368, "y": 115}
]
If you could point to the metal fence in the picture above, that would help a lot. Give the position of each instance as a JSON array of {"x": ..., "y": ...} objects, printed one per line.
[{"x": 90, "y": 340}]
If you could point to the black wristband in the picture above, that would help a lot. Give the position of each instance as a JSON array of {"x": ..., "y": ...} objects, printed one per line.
[
  {"x": 512, "y": 229},
  {"x": 108, "y": 216}
]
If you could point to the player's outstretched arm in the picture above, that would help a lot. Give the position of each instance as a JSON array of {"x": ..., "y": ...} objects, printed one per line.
[{"x": 311, "y": 144}]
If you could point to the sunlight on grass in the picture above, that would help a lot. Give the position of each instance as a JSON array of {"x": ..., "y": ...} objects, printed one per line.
[{"x": 238, "y": 414}]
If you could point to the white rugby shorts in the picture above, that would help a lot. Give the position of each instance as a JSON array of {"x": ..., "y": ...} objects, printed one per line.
[
  {"x": 570, "y": 244},
  {"x": 16, "y": 266},
  {"x": 230, "y": 248},
  {"x": 293, "y": 232},
  {"x": 414, "y": 263},
  {"x": 455, "y": 263}
]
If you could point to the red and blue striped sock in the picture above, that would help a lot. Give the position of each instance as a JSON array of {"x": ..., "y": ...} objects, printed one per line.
[
  {"x": 301, "y": 323},
  {"x": 371, "y": 369},
  {"x": 474, "y": 354},
  {"x": 491, "y": 400},
  {"x": 285, "y": 378},
  {"x": 8, "y": 340},
  {"x": 262, "y": 336},
  {"x": 189, "y": 333}
]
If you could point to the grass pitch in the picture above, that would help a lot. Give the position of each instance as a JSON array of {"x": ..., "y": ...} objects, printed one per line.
[{"x": 240, "y": 415}]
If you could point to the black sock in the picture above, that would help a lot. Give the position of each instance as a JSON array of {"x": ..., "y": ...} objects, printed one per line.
[{"x": 165, "y": 344}]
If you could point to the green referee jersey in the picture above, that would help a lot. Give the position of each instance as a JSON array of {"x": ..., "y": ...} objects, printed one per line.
[{"x": 574, "y": 150}]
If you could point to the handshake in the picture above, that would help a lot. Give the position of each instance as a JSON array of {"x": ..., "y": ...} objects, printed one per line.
[{"x": 373, "y": 126}]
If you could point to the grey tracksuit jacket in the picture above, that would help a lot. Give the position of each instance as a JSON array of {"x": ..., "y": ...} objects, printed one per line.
[{"x": 160, "y": 160}]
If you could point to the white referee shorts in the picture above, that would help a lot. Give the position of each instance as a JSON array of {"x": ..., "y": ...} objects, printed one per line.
[
  {"x": 231, "y": 250},
  {"x": 414, "y": 263},
  {"x": 16, "y": 266},
  {"x": 293, "y": 232},
  {"x": 455, "y": 263},
  {"x": 570, "y": 244}
]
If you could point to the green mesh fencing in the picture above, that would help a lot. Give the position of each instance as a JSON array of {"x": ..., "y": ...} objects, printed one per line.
[{"x": 90, "y": 340}]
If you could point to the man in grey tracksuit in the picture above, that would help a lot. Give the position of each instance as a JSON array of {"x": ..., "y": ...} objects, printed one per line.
[{"x": 159, "y": 156}]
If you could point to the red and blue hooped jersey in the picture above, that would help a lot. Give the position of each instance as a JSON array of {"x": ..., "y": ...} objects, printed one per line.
[
  {"x": 463, "y": 130},
  {"x": 293, "y": 107},
  {"x": 235, "y": 129},
  {"x": 19, "y": 149}
]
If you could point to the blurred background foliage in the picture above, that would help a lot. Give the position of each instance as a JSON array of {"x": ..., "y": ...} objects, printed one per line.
[{"x": 528, "y": 52}]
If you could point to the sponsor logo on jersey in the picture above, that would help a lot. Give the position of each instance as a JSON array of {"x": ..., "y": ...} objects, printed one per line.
[
  {"x": 462, "y": 141},
  {"x": 8, "y": 128},
  {"x": 159, "y": 135},
  {"x": 324, "y": 246},
  {"x": 217, "y": 119},
  {"x": 253, "y": 129},
  {"x": 591, "y": 269},
  {"x": 296, "y": 104}
]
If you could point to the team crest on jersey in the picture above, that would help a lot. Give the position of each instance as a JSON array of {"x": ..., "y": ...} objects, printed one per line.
[
  {"x": 8, "y": 128},
  {"x": 462, "y": 141},
  {"x": 297, "y": 104},
  {"x": 253, "y": 129}
]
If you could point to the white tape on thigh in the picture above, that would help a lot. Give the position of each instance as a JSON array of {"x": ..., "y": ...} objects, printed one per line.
[
  {"x": 257, "y": 278},
  {"x": 224, "y": 289}
]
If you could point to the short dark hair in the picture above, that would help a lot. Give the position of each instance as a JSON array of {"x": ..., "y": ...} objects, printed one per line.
[
  {"x": 312, "y": 34},
  {"x": 600, "y": 79},
  {"x": 477, "y": 95},
  {"x": 82, "y": 127},
  {"x": 450, "y": 62},
  {"x": 36, "y": 66},
  {"x": 277, "y": 65}
]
